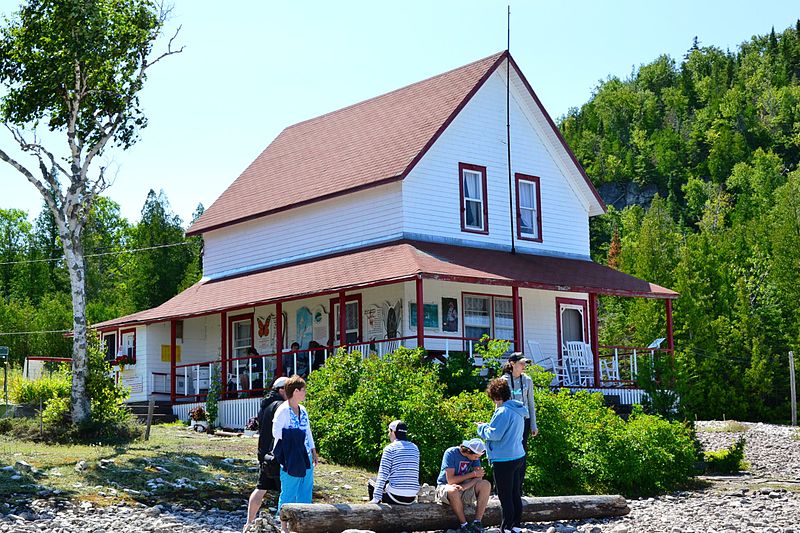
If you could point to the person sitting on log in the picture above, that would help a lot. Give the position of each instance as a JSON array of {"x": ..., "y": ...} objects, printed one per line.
[
  {"x": 461, "y": 483},
  {"x": 398, "y": 474}
]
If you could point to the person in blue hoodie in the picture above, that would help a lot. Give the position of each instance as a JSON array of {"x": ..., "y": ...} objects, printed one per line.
[{"x": 503, "y": 436}]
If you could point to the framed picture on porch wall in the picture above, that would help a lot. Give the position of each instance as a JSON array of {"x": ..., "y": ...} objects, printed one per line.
[
  {"x": 449, "y": 315},
  {"x": 430, "y": 316}
]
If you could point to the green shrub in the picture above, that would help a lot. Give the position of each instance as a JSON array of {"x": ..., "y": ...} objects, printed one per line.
[
  {"x": 460, "y": 374},
  {"x": 583, "y": 447},
  {"x": 44, "y": 389},
  {"x": 727, "y": 461},
  {"x": 56, "y": 413},
  {"x": 351, "y": 402},
  {"x": 212, "y": 399}
]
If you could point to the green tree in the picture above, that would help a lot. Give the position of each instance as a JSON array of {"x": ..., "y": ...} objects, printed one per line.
[{"x": 75, "y": 67}]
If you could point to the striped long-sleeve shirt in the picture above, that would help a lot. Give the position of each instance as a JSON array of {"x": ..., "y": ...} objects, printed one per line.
[{"x": 400, "y": 468}]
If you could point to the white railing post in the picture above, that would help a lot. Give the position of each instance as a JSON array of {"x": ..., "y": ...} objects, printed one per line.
[
  {"x": 447, "y": 348},
  {"x": 250, "y": 373},
  {"x": 294, "y": 358},
  {"x": 186, "y": 381}
]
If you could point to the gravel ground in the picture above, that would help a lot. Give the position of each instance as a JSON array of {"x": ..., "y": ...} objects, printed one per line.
[{"x": 766, "y": 499}]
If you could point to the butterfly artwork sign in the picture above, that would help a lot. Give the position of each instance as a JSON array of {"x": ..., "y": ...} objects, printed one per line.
[{"x": 265, "y": 334}]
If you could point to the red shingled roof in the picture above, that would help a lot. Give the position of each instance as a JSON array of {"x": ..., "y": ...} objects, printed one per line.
[
  {"x": 397, "y": 261},
  {"x": 364, "y": 145}
]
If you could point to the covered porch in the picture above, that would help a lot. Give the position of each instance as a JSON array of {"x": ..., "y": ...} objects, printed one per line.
[{"x": 248, "y": 325}]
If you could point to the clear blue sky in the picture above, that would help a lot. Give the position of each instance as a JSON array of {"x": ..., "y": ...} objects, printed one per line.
[{"x": 253, "y": 67}]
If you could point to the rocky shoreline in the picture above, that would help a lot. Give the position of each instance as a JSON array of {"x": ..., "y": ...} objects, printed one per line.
[{"x": 765, "y": 499}]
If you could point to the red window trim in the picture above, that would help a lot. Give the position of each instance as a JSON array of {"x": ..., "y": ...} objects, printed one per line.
[
  {"x": 333, "y": 319},
  {"x": 482, "y": 170},
  {"x": 571, "y": 301},
  {"x": 533, "y": 179},
  {"x": 491, "y": 311},
  {"x": 123, "y": 332}
]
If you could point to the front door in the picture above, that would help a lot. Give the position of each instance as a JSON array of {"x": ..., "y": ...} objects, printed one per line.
[{"x": 573, "y": 321}]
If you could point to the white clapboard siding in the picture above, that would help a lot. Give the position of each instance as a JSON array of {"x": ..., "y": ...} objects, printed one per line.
[
  {"x": 233, "y": 414},
  {"x": 358, "y": 219},
  {"x": 431, "y": 200}
]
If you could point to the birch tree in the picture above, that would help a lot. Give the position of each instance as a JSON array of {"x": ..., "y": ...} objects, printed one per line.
[{"x": 71, "y": 72}]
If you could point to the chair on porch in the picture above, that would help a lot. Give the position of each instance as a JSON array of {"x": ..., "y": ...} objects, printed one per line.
[
  {"x": 562, "y": 377},
  {"x": 609, "y": 370},
  {"x": 580, "y": 362}
]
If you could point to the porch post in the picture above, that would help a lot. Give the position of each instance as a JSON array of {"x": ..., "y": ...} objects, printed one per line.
[
  {"x": 278, "y": 339},
  {"x": 173, "y": 357},
  {"x": 342, "y": 319},
  {"x": 223, "y": 352},
  {"x": 518, "y": 341},
  {"x": 594, "y": 336},
  {"x": 420, "y": 315},
  {"x": 670, "y": 339}
]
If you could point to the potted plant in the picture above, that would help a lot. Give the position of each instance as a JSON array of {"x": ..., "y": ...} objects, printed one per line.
[
  {"x": 251, "y": 428},
  {"x": 198, "y": 420}
]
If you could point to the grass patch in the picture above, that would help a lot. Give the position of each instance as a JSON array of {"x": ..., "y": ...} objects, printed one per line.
[
  {"x": 730, "y": 426},
  {"x": 176, "y": 466}
]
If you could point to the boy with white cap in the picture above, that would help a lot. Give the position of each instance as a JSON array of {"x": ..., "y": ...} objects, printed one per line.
[
  {"x": 461, "y": 482},
  {"x": 398, "y": 474}
]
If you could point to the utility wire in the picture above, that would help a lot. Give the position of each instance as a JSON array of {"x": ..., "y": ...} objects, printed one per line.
[
  {"x": 118, "y": 252},
  {"x": 34, "y": 332}
]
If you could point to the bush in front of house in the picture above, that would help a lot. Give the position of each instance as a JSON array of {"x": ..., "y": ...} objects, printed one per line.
[
  {"x": 110, "y": 418},
  {"x": 352, "y": 401},
  {"x": 727, "y": 461},
  {"x": 42, "y": 390},
  {"x": 582, "y": 447}
]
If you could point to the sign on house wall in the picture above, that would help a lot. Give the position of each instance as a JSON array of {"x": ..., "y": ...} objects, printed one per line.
[
  {"x": 135, "y": 383},
  {"x": 320, "y": 325}
]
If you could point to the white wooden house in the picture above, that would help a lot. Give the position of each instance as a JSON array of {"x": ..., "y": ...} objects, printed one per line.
[{"x": 348, "y": 221}]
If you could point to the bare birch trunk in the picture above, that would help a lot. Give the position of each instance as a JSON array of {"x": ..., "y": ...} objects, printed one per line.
[{"x": 73, "y": 252}]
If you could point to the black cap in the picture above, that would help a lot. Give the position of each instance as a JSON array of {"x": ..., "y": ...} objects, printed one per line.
[
  {"x": 400, "y": 429},
  {"x": 518, "y": 356}
]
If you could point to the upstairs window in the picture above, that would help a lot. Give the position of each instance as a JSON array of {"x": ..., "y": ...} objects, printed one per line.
[
  {"x": 474, "y": 207},
  {"x": 529, "y": 209}
]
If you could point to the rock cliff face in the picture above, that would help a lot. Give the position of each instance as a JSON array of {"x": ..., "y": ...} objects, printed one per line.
[{"x": 621, "y": 195}]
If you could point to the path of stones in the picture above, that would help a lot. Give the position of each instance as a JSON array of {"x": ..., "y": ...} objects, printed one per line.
[{"x": 766, "y": 500}]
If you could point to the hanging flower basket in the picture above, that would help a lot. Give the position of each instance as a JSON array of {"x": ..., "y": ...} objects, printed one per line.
[{"x": 124, "y": 360}]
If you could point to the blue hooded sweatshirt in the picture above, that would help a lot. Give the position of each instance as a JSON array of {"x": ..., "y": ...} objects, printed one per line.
[{"x": 503, "y": 433}]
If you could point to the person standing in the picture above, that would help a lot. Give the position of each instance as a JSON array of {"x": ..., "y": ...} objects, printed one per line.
[
  {"x": 503, "y": 436},
  {"x": 268, "y": 478},
  {"x": 521, "y": 386},
  {"x": 294, "y": 446},
  {"x": 398, "y": 473}
]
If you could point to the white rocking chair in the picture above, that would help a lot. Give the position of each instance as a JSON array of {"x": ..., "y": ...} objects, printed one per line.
[
  {"x": 580, "y": 362},
  {"x": 562, "y": 377}
]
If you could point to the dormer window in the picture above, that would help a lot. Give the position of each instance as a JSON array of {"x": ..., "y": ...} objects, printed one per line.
[
  {"x": 529, "y": 208},
  {"x": 474, "y": 205}
]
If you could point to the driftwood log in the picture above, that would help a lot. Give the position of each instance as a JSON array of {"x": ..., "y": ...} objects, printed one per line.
[{"x": 317, "y": 518}]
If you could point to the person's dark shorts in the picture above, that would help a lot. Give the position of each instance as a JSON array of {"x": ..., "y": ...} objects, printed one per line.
[{"x": 268, "y": 478}]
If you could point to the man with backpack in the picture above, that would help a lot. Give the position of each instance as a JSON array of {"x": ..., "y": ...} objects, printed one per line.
[{"x": 269, "y": 469}]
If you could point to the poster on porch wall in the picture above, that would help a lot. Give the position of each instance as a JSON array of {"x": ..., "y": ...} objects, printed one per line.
[
  {"x": 134, "y": 383},
  {"x": 304, "y": 322},
  {"x": 373, "y": 323},
  {"x": 265, "y": 334},
  {"x": 393, "y": 318},
  {"x": 320, "y": 327}
]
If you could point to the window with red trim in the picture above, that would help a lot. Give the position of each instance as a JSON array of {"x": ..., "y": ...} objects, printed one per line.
[
  {"x": 474, "y": 204},
  {"x": 529, "y": 208},
  {"x": 127, "y": 345}
]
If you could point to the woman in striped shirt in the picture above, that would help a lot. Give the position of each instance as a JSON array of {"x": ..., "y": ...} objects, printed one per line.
[{"x": 398, "y": 474}]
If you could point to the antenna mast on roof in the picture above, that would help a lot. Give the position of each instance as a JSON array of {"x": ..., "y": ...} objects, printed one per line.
[{"x": 511, "y": 208}]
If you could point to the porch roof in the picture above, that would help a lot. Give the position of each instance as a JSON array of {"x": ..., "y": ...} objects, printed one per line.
[{"x": 394, "y": 262}]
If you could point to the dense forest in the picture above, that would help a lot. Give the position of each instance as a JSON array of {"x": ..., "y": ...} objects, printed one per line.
[
  {"x": 130, "y": 267},
  {"x": 698, "y": 160}
]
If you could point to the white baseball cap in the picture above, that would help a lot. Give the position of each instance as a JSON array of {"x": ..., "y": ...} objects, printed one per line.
[
  {"x": 280, "y": 383},
  {"x": 475, "y": 445}
]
